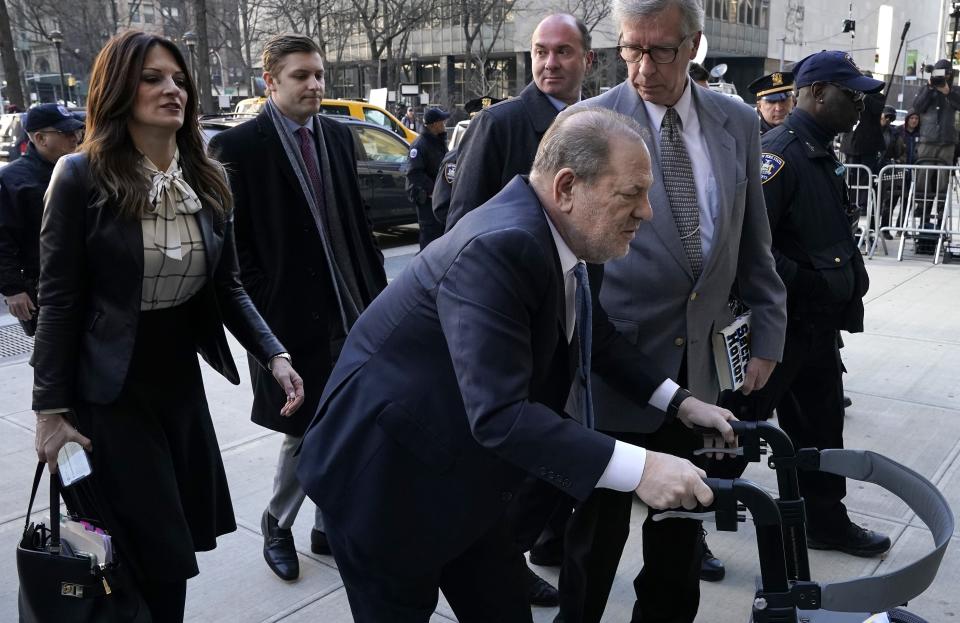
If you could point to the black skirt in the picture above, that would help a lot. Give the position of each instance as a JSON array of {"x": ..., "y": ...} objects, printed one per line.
[{"x": 158, "y": 479}]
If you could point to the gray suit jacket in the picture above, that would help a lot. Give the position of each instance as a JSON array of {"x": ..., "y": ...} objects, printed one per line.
[{"x": 650, "y": 294}]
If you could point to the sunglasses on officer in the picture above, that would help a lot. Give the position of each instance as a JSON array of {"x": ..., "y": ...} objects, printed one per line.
[{"x": 854, "y": 96}]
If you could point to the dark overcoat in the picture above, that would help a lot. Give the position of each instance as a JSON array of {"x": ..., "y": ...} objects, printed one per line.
[{"x": 282, "y": 262}]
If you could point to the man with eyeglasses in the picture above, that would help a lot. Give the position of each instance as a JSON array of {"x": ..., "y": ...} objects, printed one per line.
[
  {"x": 53, "y": 132},
  {"x": 818, "y": 259},
  {"x": 670, "y": 294}
]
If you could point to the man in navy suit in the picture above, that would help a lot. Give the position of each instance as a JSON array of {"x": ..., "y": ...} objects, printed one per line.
[{"x": 449, "y": 393}]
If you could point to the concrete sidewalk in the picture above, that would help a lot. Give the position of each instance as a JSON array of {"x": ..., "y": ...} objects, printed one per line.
[{"x": 904, "y": 381}]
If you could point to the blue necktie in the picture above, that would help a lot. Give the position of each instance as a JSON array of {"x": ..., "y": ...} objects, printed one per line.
[{"x": 584, "y": 331}]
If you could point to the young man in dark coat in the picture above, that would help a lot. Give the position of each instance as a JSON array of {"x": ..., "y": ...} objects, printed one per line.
[
  {"x": 53, "y": 132},
  {"x": 307, "y": 255}
]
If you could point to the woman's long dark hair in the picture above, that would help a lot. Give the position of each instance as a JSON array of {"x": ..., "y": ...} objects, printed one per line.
[{"x": 114, "y": 160}]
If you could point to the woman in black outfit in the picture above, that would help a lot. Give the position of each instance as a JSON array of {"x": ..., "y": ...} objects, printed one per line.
[{"x": 139, "y": 274}]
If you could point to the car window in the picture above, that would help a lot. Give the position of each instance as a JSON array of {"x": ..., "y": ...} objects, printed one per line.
[
  {"x": 381, "y": 146},
  {"x": 329, "y": 109}
]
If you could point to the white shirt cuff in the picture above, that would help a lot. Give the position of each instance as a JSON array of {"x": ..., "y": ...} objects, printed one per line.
[
  {"x": 625, "y": 469},
  {"x": 662, "y": 395},
  {"x": 52, "y": 411}
]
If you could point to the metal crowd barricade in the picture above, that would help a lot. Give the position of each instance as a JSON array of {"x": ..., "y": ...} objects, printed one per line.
[
  {"x": 915, "y": 202},
  {"x": 861, "y": 190}
]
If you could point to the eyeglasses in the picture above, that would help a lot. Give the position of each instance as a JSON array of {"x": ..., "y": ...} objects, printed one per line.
[
  {"x": 659, "y": 55},
  {"x": 856, "y": 96}
]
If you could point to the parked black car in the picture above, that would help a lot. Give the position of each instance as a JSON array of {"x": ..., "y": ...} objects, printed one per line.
[{"x": 381, "y": 166}]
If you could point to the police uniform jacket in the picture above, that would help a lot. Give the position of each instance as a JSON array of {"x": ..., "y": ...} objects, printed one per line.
[
  {"x": 815, "y": 252},
  {"x": 500, "y": 143},
  {"x": 444, "y": 185},
  {"x": 937, "y": 115},
  {"x": 764, "y": 126},
  {"x": 422, "y": 165},
  {"x": 22, "y": 184}
]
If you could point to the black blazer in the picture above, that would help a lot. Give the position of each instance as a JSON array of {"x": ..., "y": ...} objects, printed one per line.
[
  {"x": 500, "y": 142},
  {"x": 450, "y": 389},
  {"x": 91, "y": 276},
  {"x": 282, "y": 263}
]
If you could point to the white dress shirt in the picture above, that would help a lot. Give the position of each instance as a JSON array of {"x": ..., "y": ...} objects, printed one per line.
[
  {"x": 625, "y": 468},
  {"x": 703, "y": 177}
]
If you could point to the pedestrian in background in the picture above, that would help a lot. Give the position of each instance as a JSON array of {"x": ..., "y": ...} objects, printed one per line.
[
  {"x": 937, "y": 103},
  {"x": 409, "y": 120},
  {"x": 423, "y": 164},
  {"x": 307, "y": 256},
  {"x": 138, "y": 274},
  {"x": 52, "y": 133},
  {"x": 909, "y": 136}
]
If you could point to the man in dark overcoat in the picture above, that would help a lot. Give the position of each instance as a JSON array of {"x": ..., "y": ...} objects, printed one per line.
[{"x": 307, "y": 255}]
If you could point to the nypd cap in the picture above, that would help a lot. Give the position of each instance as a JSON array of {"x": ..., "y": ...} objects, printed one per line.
[
  {"x": 51, "y": 116},
  {"x": 773, "y": 87},
  {"x": 833, "y": 66}
]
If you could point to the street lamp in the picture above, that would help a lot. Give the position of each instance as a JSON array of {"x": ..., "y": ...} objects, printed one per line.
[
  {"x": 190, "y": 40},
  {"x": 57, "y": 38}
]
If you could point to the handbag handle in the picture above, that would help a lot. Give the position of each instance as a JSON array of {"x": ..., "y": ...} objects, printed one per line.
[{"x": 54, "y": 506}]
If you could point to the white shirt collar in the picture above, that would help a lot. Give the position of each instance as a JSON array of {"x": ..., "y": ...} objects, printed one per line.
[
  {"x": 567, "y": 259},
  {"x": 684, "y": 108}
]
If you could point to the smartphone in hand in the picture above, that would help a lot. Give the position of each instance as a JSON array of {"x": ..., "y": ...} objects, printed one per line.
[{"x": 73, "y": 465}]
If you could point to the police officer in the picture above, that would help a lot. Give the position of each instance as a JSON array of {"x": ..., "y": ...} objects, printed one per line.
[
  {"x": 422, "y": 166},
  {"x": 818, "y": 260},
  {"x": 448, "y": 166},
  {"x": 53, "y": 132},
  {"x": 774, "y": 93}
]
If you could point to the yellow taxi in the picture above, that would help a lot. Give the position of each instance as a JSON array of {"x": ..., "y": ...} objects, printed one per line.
[{"x": 345, "y": 108}]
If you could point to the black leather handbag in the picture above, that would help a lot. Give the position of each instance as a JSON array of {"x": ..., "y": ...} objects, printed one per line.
[{"x": 59, "y": 585}]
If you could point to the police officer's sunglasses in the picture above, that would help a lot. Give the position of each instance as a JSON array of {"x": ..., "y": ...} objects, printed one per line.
[
  {"x": 659, "y": 55},
  {"x": 856, "y": 96}
]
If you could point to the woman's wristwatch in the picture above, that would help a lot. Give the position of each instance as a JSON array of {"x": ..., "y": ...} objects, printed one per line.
[{"x": 279, "y": 356}]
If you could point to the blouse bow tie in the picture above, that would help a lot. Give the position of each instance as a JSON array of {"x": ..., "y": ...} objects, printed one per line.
[{"x": 170, "y": 197}]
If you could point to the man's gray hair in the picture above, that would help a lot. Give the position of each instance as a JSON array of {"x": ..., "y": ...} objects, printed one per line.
[
  {"x": 636, "y": 10},
  {"x": 579, "y": 139}
]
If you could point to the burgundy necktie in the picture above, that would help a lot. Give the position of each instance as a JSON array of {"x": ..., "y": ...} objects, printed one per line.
[{"x": 309, "y": 153}]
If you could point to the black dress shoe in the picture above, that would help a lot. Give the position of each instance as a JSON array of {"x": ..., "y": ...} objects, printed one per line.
[
  {"x": 711, "y": 569},
  {"x": 278, "y": 548},
  {"x": 854, "y": 540},
  {"x": 318, "y": 543},
  {"x": 847, "y": 402},
  {"x": 548, "y": 554},
  {"x": 539, "y": 591}
]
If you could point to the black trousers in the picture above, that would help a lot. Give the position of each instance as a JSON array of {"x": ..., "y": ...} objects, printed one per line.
[
  {"x": 806, "y": 389},
  {"x": 430, "y": 227},
  {"x": 668, "y": 586},
  {"x": 484, "y": 584}
]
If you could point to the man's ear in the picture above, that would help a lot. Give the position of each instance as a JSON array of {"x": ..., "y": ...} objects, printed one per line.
[
  {"x": 563, "y": 183},
  {"x": 268, "y": 80}
]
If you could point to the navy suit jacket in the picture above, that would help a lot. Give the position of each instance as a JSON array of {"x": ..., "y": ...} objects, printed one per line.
[{"x": 450, "y": 391}]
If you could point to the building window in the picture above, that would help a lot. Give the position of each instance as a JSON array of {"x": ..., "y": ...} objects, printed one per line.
[
  {"x": 148, "y": 15},
  {"x": 134, "y": 8}
]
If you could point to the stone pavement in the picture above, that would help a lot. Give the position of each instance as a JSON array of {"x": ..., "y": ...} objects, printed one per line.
[{"x": 904, "y": 381}]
